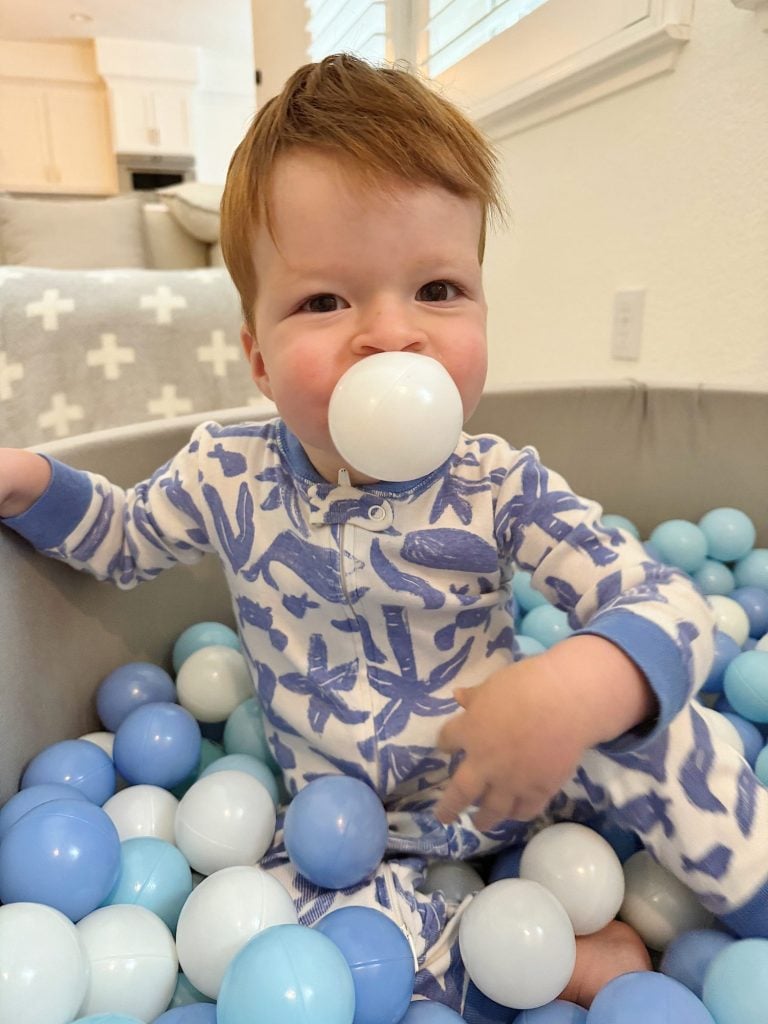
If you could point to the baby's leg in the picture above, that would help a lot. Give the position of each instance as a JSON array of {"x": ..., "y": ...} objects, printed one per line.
[{"x": 699, "y": 808}]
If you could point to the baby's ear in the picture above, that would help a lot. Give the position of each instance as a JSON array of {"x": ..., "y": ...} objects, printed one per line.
[{"x": 255, "y": 360}]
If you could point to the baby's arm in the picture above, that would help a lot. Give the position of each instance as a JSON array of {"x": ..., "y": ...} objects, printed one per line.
[{"x": 24, "y": 476}]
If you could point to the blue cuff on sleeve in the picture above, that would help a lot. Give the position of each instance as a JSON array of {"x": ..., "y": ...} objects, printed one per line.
[
  {"x": 657, "y": 656},
  {"x": 58, "y": 510}
]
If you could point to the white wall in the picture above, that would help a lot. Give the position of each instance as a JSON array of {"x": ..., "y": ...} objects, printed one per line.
[{"x": 224, "y": 106}]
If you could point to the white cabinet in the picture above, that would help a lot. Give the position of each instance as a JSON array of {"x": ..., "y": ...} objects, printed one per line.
[
  {"x": 151, "y": 118},
  {"x": 54, "y": 137}
]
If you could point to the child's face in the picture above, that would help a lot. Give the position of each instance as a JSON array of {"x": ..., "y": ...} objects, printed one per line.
[{"x": 357, "y": 271}]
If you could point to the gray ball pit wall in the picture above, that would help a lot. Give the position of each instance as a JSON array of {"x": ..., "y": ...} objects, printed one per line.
[{"x": 650, "y": 452}]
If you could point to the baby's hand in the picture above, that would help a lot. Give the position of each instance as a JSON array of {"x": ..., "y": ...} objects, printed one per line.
[{"x": 525, "y": 729}]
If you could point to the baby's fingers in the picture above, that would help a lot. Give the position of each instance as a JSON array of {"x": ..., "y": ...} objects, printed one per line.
[{"x": 464, "y": 788}]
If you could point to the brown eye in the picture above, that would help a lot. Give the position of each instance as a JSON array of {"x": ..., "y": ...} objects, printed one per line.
[
  {"x": 321, "y": 304},
  {"x": 436, "y": 291}
]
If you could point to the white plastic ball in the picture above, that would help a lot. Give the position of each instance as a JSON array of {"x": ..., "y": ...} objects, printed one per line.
[
  {"x": 43, "y": 968},
  {"x": 132, "y": 960},
  {"x": 730, "y": 617},
  {"x": 103, "y": 739},
  {"x": 212, "y": 682},
  {"x": 517, "y": 943},
  {"x": 143, "y": 811},
  {"x": 722, "y": 727},
  {"x": 657, "y": 905},
  {"x": 454, "y": 878},
  {"x": 395, "y": 415},
  {"x": 581, "y": 869},
  {"x": 223, "y": 820},
  {"x": 221, "y": 915}
]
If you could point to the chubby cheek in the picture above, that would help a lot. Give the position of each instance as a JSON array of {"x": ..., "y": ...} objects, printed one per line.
[
  {"x": 468, "y": 366},
  {"x": 302, "y": 389}
]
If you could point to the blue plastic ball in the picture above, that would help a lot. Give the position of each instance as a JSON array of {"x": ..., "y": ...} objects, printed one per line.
[
  {"x": 193, "y": 1013},
  {"x": 128, "y": 687},
  {"x": 615, "y": 522},
  {"x": 688, "y": 956},
  {"x": 560, "y": 1011},
  {"x": 64, "y": 853},
  {"x": 245, "y": 763},
  {"x": 157, "y": 745},
  {"x": 730, "y": 533},
  {"x": 425, "y": 1011},
  {"x": 752, "y": 569},
  {"x": 380, "y": 959},
  {"x": 714, "y": 578},
  {"x": 335, "y": 831},
  {"x": 527, "y": 646},
  {"x": 203, "y": 634},
  {"x": 506, "y": 864},
  {"x": 745, "y": 684},
  {"x": 524, "y": 593},
  {"x": 726, "y": 649},
  {"x": 108, "y": 1018},
  {"x": 644, "y": 996},
  {"x": 287, "y": 973},
  {"x": 680, "y": 543},
  {"x": 754, "y": 601},
  {"x": 153, "y": 874},
  {"x": 77, "y": 763},
  {"x": 546, "y": 624},
  {"x": 18, "y": 805},
  {"x": 736, "y": 985},
  {"x": 751, "y": 736}
]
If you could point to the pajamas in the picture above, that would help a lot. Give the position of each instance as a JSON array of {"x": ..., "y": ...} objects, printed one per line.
[{"x": 360, "y": 609}]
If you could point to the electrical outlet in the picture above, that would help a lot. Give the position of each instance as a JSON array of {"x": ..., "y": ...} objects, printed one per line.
[{"x": 627, "y": 331}]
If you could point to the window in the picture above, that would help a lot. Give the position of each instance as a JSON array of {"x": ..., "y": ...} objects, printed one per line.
[
  {"x": 357, "y": 26},
  {"x": 455, "y": 28}
]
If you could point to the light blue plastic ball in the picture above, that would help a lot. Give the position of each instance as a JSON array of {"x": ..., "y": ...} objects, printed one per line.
[
  {"x": 688, "y": 956},
  {"x": 680, "y": 543},
  {"x": 527, "y": 646},
  {"x": 426, "y": 1011},
  {"x": 615, "y": 522},
  {"x": 335, "y": 831},
  {"x": 546, "y": 624},
  {"x": 185, "y": 993},
  {"x": 642, "y": 997},
  {"x": 249, "y": 764},
  {"x": 761, "y": 766},
  {"x": 745, "y": 684},
  {"x": 730, "y": 533},
  {"x": 210, "y": 753},
  {"x": 560, "y": 1011},
  {"x": 287, "y": 973},
  {"x": 108, "y": 1018},
  {"x": 752, "y": 569},
  {"x": 244, "y": 733},
  {"x": 153, "y": 874},
  {"x": 754, "y": 601},
  {"x": 751, "y": 736},
  {"x": 726, "y": 649},
  {"x": 736, "y": 984},
  {"x": 380, "y": 959},
  {"x": 64, "y": 853},
  {"x": 77, "y": 763},
  {"x": 128, "y": 687},
  {"x": 524, "y": 594},
  {"x": 157, "y": 745},
  {"x": 203, "y": 634},
  {"x": 714, "y": 578},
  {"x": 18, "y": 805},
  {"x": 193, "y": 1013}
]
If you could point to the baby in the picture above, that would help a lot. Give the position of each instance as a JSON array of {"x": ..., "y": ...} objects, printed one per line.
[{"x": 377, "y": 617}]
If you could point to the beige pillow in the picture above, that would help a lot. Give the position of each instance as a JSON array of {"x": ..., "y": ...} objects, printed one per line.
[
  {"x": 195, "y": 206},
  {"x": 169, "y": 246},
  {"x": 80, "y": 234}
]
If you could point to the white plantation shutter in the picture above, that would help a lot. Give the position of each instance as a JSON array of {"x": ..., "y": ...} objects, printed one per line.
[
  {"x": 353, "y": 26},
  {"x": 457, "y": 27}
]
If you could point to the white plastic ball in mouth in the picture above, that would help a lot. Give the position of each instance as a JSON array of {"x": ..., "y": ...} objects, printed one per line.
[{"x": 395, "y": 416}]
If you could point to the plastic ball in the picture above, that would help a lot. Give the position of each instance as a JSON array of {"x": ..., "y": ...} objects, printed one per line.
[
  {"x": 527, "y": 646},
  {"x": 726, "y": 649},
  {"x": 210, "y": 753},
  {"x": 735, "y": 989},
  {"x": 455, "y": 879},
  {"x": 18, "y": 805},
  {"x": 762, "y": 643},
  {"x": 657, "y": 905},
  {"x": 212, "y": 682},
  {"x": 103, "y": 739},
  {"x": 248, "y": 764},
  {"x": 223, "y": 820},
  {"x": 157, "y": 745},
  {"x": 108, "y": 1018},
  {"x": 290, "y": 974},
  {"x": 43, "y": 971},
  {"x": 546, "y": 624},
  {"x": 623, "y": 841},
  {"x": 730, "y": 533},
  {"x": 680, "y": 543},
  {"x": 615, "y": 522},
  {"x": 561, "y": 1011},
  {"x": 64, "y": 853},
  {"x": 506, "y": 864},
  {"x": 524, "y": 593},
  {"x": 426, "y": 1011},
  {"x": 752, "y": 569},
  {"x": 76, "y": 763},
  {"x": 143, "y": 811},
  {"x": 730, "y": 617},
  {"x": 714, "y": 578},
  {"x": 751, "y": 737},
  {"x": 335, "y": 831},
  {"x": 383, "y": 403},
  {"x": 155, "y": 875},
  {"x": 223, "y": 913},
  {"x": 244, "y": 733},
  {"x": 517, "y": 943},
  {"x": 202, "y": 634},
  {"x": 132, "y": 961},
  {"x": 643, "y": 996},
  {"x": 194, "y": 1013},
  {"x": 687, "y": 958},
  {"x": 128, "y": 687},
  {"x": 185, "y": 993},
  {"x": 380, "y": 958},
  {"x": 721, "y": 727},
  {"x": 580, "y": 868},
  {"x": 761, "y": 766},
  {"x": 754, "y": 601},
  {"x": 745, "y": 683}
]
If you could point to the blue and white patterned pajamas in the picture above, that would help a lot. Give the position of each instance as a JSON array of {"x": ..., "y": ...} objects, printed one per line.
[{"x": 360, "y": 610}]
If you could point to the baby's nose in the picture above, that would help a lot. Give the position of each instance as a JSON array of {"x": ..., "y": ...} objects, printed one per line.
[{"x": 390, "y": 329}]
